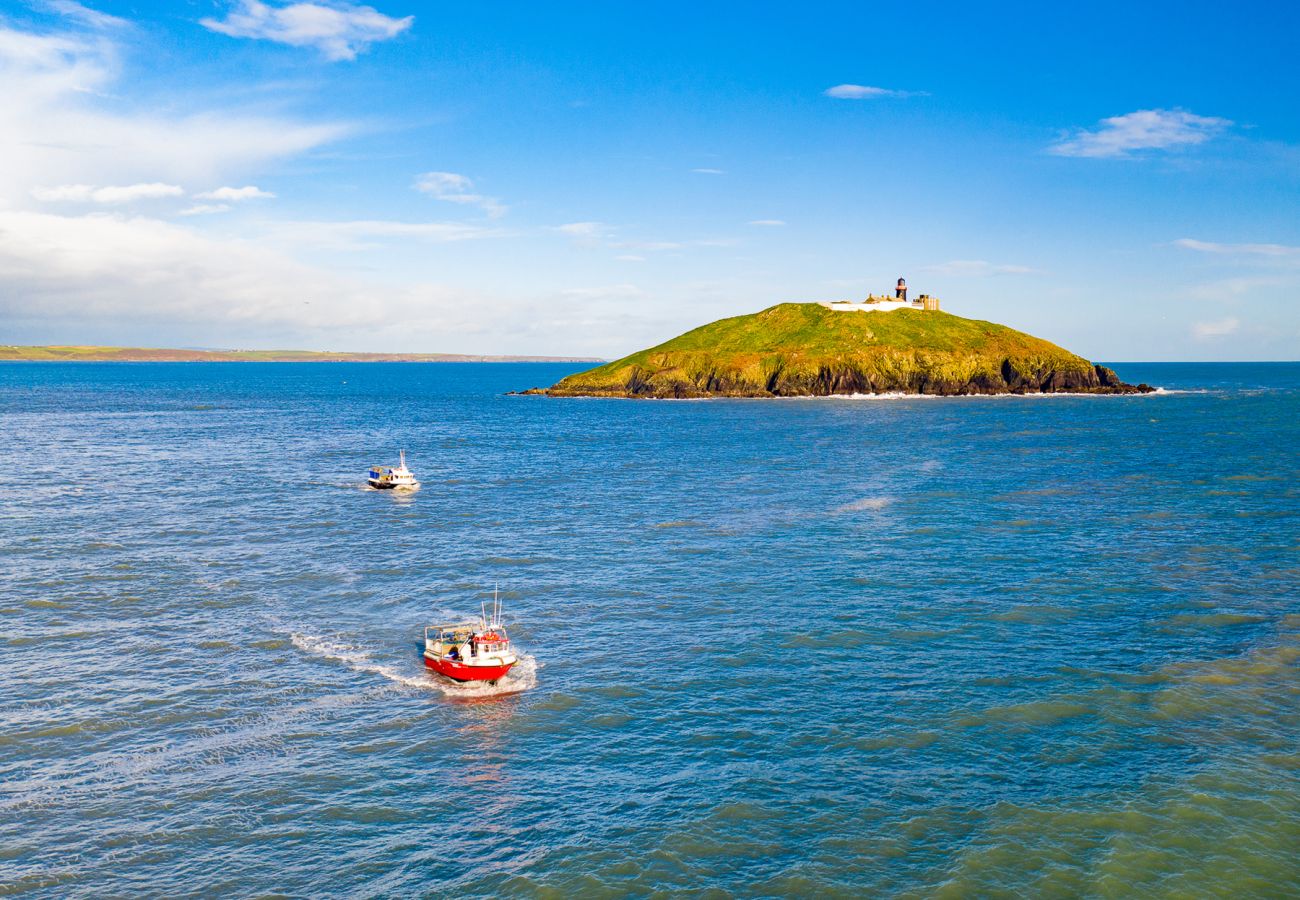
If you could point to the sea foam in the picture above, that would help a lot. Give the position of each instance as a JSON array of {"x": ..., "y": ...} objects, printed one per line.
[{"x": 520, "y": 678}]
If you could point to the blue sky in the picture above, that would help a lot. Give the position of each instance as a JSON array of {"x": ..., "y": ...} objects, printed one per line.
[{"x": 590, "y": 178}]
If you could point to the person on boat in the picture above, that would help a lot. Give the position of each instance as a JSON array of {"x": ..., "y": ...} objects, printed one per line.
[{"x": 454, "y": 654}]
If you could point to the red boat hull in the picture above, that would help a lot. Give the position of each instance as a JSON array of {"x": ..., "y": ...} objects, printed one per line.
[{"x": 460, "y": 672}]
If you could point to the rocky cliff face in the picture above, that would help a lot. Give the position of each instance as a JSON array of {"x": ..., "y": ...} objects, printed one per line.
[
  {"x": 827, "y": 381},
  {"x": 804, "y": 350}
]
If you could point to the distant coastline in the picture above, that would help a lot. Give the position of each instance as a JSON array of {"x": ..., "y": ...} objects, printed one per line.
[{"x": 60, "y": 353}]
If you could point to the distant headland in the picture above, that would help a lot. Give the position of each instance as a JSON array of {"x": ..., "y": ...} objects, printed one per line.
[
  {"x": 876, "y": 346},
  {"x": 147, "y": 354}
]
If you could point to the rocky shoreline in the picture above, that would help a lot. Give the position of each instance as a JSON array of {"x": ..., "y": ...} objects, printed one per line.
[{"x": 831, "y": 381}]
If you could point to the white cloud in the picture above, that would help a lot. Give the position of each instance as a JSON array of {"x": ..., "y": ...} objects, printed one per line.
[
  {"x": 65, "y": 193},
  {"x": 1218, "y": 328},
  {"x": 771, "y": 223},
  {"x": 205, "y": 209},
  {"x": 1273, "y": 251},
  {"x": 976, "y": 268},
  {"x": 338, "y": 30},
  {"x": 1146, "y": 129},
  {"x": 709, "y": 171},
  {"x": 1230, "y": 289},
  {"x": 583, "y": 229},
  {"x": 84, "y": 14},
  {"x": 604, "y": 292},
  {"x": 365, "y": 234},
  {"x": 108, "y": 277},
  {"x": 40, "y": 67},
  {"x": 69, "y": 132},
  {"x": 234, "y": 194},
  {"x": 601, "y": 234},
  {"x": 585, "y": 234},
  {"x": 455, "y": 188},
  {"x": 111, "y": 195},
  {"x": 648, "y": 246},
  {"x": 105, "y": 270},
  {"x": 866, "y": 92},
  {"x": 55, "y": 130}
]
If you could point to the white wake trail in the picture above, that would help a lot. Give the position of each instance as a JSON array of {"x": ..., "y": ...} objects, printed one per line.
[{"x": 521, "y": 677}]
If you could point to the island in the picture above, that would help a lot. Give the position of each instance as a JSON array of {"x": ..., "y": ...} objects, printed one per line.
[
  {"x": 876, "y": 346},
  {"x": 53, "y": 353}
]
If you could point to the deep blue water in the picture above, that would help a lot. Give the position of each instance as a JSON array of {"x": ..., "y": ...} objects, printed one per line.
[{"x": 919, "y": 647}]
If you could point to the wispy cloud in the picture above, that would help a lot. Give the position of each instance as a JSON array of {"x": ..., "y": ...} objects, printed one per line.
[
  {"x": 866, "y": 92},
  {"x": 1145, "y": 129},
  {"x": 651, "y": 246},
  {"x": 1230, "y": 289},
  {"x": 111, "y": 195},
  {"x": 586, "y": 234},
  {"x": 454, "y": 188},
  {"x": 338, "y": 30},
  {"x": 709, "y": 171},
  {"x": 57, "y": 129},
  {"x": 365, "y": 234},
  {"x": 977, "y": 268},
  {"x": 583, "y": 229},
  {"x": 1218, "y": 328},
  {"x": 108, "y": 269},
  {"x": 70, "y": 9},
  {"x": 1270, "y": 251},
  {"x": 768, "y": 223},
  {"x": 604, "y": 292},
  {"x": 605, "y": 236},
  {"x": 205, "y": 209},
  {"x": 235, "y": 194}
]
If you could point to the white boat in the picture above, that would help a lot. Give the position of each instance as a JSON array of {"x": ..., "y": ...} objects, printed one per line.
[{"x": 392, "y": 477}]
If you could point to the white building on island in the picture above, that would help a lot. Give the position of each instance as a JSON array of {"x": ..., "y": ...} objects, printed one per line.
[{"x": 885, "y": 303}]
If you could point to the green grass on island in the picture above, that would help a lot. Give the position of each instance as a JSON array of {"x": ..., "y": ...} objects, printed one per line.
[
  {"x": 148, "y": 354},
  {"x": 806, "y": 349}
]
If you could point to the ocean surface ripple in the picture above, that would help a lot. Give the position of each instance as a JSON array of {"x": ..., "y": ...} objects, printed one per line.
[{"x": 913, "y": 647}]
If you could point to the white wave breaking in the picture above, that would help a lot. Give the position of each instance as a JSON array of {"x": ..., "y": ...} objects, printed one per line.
[
  {"x": 866, "y": 504},
  {"x": 1034, "y": 394},
  {"x": 522, "y": 677}
]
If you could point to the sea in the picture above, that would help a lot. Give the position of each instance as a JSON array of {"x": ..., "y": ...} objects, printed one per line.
[{"x": 860, "y": 646}]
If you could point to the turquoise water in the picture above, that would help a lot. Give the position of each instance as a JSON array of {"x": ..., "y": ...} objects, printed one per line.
[{"x": 918, "y": 647}]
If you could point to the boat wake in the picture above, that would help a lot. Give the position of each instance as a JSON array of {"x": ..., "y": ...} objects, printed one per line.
[{"x": 522, "y": 677}]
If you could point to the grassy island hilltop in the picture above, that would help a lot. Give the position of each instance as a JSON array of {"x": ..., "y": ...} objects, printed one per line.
[{"x": 807, "y": 349}]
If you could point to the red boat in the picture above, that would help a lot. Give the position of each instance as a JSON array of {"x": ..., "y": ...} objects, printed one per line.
[{"x": 470, "y": 651}]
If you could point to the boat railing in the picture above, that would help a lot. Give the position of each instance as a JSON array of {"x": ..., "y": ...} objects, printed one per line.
[{"x": 438, "y": 632}]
